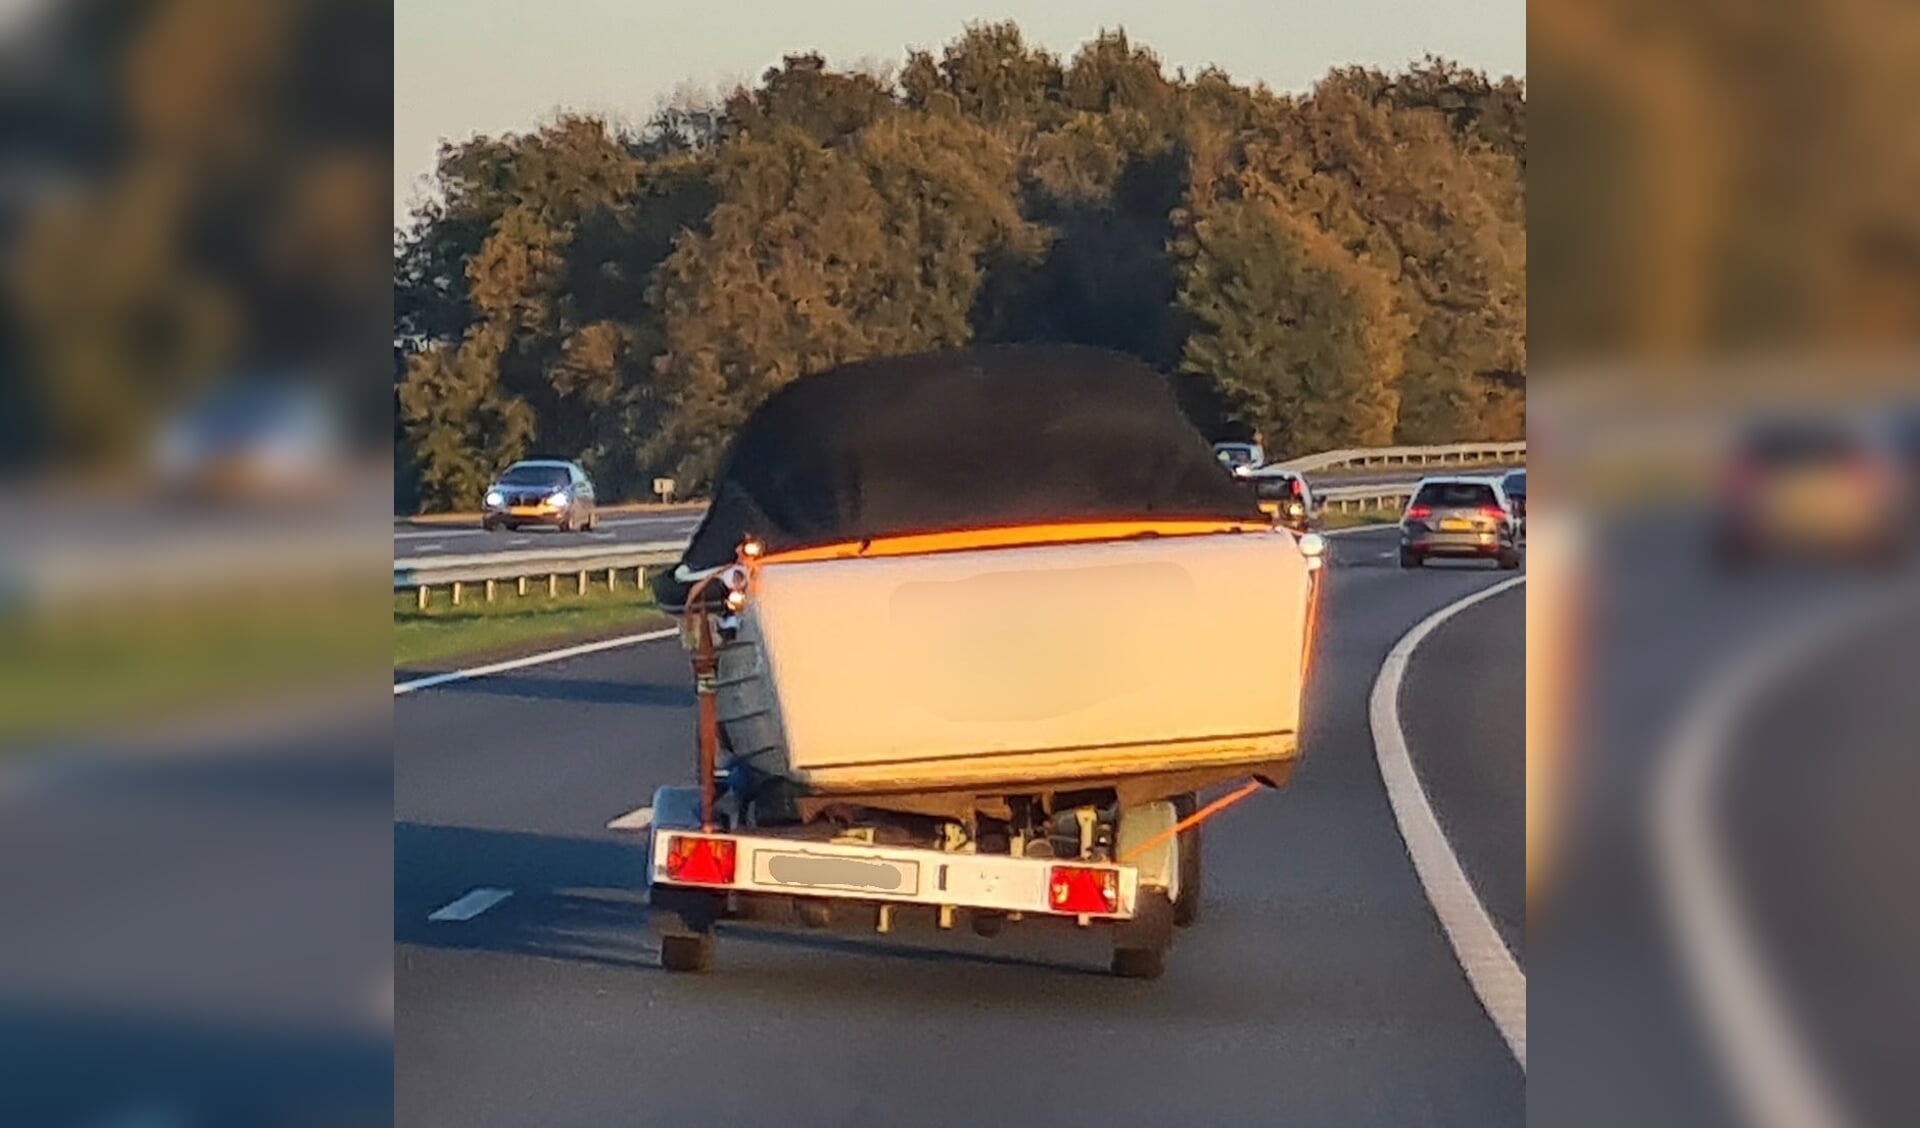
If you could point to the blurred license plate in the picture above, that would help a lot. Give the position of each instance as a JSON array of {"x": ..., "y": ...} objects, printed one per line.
[
  {"x": 525, "y": 511},
  {"x": 821, "y": 871},
  {"x": 1456, "y": 525}
]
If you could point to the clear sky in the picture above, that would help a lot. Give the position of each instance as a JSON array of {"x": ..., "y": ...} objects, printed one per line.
[{"x": 465, "y": 67}]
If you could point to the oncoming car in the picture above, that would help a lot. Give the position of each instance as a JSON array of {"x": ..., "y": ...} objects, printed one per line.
[
  {"x": 1240, "y": 459},
  {"x": 1459, "y": 517},
  {"x": 540, "y": 492}
]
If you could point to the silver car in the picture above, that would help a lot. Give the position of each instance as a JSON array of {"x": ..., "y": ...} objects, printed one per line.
[
  {"x": 1464, "y": 517},
  {"x": 540, "y": 492}
]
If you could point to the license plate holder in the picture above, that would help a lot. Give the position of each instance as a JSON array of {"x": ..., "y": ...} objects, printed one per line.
[{"x": 803, "y": 870}]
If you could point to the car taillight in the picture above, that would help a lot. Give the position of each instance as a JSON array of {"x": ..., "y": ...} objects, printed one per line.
[
  {"x": 1419, "y": 512},
  {"x": 1493, "y": 513},
  {"x": 1083, "y": 889},
  {"x": 700, "y": 861}
]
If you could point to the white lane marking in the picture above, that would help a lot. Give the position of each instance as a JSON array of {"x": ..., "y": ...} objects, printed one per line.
[
  {"x": 1772, "y": 1076},
  {"x": 472, "y": 904},
  {"x": 520, "y": 540},
  {"x": 1491, "y": 969},
  {"x": 639, "y": 818},
  {"x": 450, "y": 531},
  {"x": 530, "y": 660},
  {"x": 434, "y": 547}
]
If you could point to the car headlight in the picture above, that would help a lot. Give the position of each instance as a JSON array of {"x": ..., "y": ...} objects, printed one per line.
[
  {"x": 495, "y": 498},
  {"x": 557, "y": 498}
]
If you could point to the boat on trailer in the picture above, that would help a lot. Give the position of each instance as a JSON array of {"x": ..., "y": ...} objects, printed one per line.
[{"x": 973, "y": 633}]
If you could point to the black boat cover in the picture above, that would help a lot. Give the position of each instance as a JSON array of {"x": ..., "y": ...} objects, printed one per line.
[{"x": 973, "y": 438}]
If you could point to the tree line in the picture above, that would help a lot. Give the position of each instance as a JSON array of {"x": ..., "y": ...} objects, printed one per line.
[{"x": 1341, "y": 267}]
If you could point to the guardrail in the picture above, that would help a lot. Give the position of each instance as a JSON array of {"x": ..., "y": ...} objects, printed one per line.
[
  {"x": 581, "y": 565},
  {"x": 1443, "y": 454},
  {"x": 489, "y": 570},
  {"x": 1363, "y": 499},
  {"x": 424, "y": 573}
]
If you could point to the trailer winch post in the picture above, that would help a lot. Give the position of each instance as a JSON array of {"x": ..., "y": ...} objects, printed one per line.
[{"x": 706, "y": 668}]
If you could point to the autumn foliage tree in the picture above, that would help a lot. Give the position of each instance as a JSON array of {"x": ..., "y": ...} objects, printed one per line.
[{"x": 1341, "y": 267}]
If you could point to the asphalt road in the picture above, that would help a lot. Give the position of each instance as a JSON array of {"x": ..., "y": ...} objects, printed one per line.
[
  {"x": 1610, "y": 1001},
  {"x": 456, "y": 540},
  {"x": 639, "y": 528},
  {"x": 1318, "y": 988},
  {"x": 1817, "y": 829},
  {"x": 201, "y": 927},
  {"x": 1462, "y": 707}
]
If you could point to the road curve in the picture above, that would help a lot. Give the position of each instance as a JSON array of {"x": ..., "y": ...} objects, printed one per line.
[{"x": 1318, "y": 988}]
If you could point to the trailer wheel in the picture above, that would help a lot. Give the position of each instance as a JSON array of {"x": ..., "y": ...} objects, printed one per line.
[
  {"x": 1186, "y": 907},
  {"x": 687, "y": 953},
  {"x": 1140, "y": 945}
]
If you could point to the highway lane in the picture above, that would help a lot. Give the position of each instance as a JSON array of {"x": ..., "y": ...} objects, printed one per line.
[
  {"x": 1817, "y": 831},
  {"x": 639, "y": 528},
  {"x": 1318, "y": 988},
  {"x": 199, "y": 921},
  {"x": 626, "y": 528},
  {"x": 1609, "y": 1000},
  {"x": 1462, "y": 708}
]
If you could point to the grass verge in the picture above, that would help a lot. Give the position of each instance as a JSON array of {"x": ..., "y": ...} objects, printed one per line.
[
  {"x": 69, "y": 673},
  {"x": 444, "y": 632},
  {"x": 1332, "y": 520}
]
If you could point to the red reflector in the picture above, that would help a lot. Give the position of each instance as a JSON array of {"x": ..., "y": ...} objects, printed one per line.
[
  {"x": 1083, "y": 889},
  {"x": 1418, "y": 511},
  {"x": 700, "y": 861}
]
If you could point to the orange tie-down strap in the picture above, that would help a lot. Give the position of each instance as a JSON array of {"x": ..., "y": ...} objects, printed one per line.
[
  {"x": 1009, "y": 536},
  {"x": 1193, "y": 820}
]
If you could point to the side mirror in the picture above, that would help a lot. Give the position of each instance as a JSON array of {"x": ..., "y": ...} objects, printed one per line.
[{"x": 1313, "y": 546}]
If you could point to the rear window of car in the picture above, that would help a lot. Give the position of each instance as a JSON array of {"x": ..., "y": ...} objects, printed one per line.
[
  {"x": 1456, "y": 495},
  {"x": 1516, "y": 484},
  {"x": 535, "y": 476}
]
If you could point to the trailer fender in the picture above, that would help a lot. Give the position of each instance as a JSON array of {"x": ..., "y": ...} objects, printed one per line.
[
  {"x": 1159, "y": 865},
  {"x": 676, "y": 808}
]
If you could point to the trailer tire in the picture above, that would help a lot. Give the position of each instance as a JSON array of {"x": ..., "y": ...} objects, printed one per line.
[
  {"x": 1140, "y": 945},
  {"x": 1186, "y": 907},
  {"x": 687, "y": 953}
]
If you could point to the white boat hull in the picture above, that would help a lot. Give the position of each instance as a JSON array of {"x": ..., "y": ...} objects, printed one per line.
[{"x": 1009, "y": 669}]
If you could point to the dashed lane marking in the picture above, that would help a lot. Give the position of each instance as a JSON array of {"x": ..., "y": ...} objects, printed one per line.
[{"x": 472, "y": 904}]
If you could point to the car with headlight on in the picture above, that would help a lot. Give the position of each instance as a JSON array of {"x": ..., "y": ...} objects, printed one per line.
[
  {"x": 540, "y": 492},
  {"x": 1460, "y": 517},
  {"x": 1240, "y": 459}
]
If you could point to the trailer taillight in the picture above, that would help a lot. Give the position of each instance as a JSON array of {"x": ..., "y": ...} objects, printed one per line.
[
  {"x": 1083, "y": 889},
  {"x": 699, "y": 861}
]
